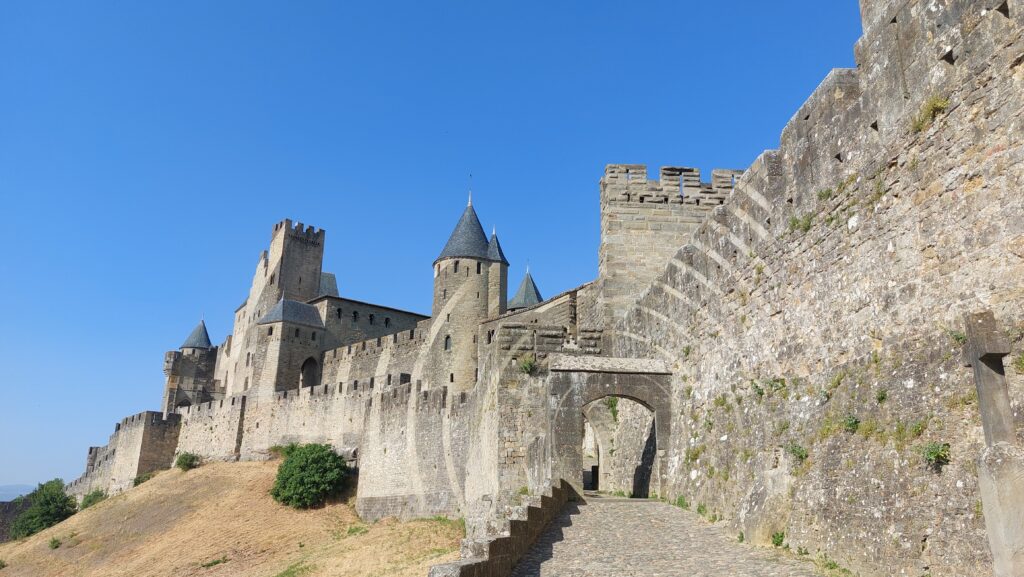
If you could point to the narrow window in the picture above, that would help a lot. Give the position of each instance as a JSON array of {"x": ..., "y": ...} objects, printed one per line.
[
  {"x": 444, "y": 294},
  {"x": 412, "y": 334},
  {"x": 387, "y": 322},
  {"x": 451, "y": 377},
  {"x": 339, "y": 312},
  {"x": 389, "y": 380},
  {"x": 476, "y": 374},
  {"x": 371, "y": 382},
  {"x": 271, "y": 280},
  {"x": 448, "y": 318},
  {"x": 447, "y": 342},
  {"x": 247, "y": 359},
  {"x": 371, "y": 319},
  {"x": 355, "y": 385},
  {"x": 314, "y": 335},
  {"x": 270, "y": 331},
  {"x": 478, "y": 268},
  {"x": 355, "y": 316},
  {"x": 456, "y": 266},
  {"x": 490, "y": 334},
  {"x": 296, "y": 333},
  {"x": 474, "y": 339}
]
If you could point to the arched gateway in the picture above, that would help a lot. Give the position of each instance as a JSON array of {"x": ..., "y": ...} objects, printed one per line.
[{"x": 577, "y": 381}]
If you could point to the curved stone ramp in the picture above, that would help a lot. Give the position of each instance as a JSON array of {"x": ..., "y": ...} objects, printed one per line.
[{"x": 619, "y": 537}]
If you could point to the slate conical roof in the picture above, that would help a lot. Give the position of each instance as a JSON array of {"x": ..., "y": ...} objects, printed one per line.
[
  {"x": 468, "y": 239},
  {"x": 494, "y": 250},
  {"x": 527, "y": 295},
  {"x": 199, "y": 339}
]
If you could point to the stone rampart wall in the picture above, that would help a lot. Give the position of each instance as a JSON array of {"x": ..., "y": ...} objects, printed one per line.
[{"x": 815, "y": 317}]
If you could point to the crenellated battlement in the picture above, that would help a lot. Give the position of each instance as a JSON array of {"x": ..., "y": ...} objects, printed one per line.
[
  {"x": 299, "y": 230},
  {"x": 628, "y": 183}
]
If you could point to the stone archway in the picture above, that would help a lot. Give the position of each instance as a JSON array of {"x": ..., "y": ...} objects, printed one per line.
[
  {"x": 619, "y": 446},
  {"x": 309, "y": 374},
  {"x": 576, "y": 382}
]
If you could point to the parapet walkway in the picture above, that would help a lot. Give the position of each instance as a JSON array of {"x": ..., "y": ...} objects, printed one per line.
[{"x": 619, "y": 537}]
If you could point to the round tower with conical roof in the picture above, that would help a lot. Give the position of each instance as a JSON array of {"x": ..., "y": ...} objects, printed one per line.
[{"x": 467, "y": 273}]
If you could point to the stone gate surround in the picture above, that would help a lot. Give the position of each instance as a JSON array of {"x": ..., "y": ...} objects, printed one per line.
[{"x": 575, "y": 381}]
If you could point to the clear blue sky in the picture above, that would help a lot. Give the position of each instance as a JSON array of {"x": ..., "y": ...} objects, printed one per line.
[{"x": 146, "y": 149}]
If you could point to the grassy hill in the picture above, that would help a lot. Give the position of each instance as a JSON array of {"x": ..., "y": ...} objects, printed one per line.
[{"x": 218, "y": 521}]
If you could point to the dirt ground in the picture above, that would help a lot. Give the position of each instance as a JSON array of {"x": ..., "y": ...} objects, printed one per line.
[{"x": 219, "y": 520}]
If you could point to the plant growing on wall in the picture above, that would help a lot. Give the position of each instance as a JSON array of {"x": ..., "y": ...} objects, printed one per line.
[
  {"x": 528, "y": 364},
  {"x": 936, "y": 455}
]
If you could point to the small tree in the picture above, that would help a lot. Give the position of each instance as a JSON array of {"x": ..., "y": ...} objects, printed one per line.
[
  {"x": 308, "y": 475},
  {"x": 49, "y": 505},
  {"x": 91, "y": 499},
  {"x": 187, "y": 461}
]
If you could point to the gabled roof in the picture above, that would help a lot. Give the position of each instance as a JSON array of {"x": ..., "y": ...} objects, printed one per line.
[
  {"x": 467, "y": 240},
  {"x": 292, "y": 312},
  {"x": 198, "y": 339},
  {"x": 494, "y": 251},
  {"x": 527, "y": 295},
  {"x": 328, "y": 285}
]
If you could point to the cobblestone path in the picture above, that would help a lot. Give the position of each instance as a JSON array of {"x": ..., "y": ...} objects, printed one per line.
[{"x": 633, "y": 537}]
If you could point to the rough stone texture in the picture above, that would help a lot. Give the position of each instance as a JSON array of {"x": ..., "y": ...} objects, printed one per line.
[{"x": 835, "y": 275}]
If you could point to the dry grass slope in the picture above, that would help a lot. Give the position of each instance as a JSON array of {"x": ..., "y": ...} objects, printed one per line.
[{"x": 219, "y": 521}]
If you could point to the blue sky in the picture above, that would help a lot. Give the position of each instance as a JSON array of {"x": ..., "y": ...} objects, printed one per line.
[{"x": 146, "y": 149}]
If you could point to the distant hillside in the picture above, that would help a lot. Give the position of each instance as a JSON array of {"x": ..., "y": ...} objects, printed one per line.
[
  {"x": 178, "y": 522},
  {"x": 11, "y": 492}
]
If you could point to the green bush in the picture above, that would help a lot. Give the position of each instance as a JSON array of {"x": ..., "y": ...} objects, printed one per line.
[
  {"x": 142, "y": 479},
  {"x": 54, "y": 543},
  {"x": 49, "y": 505},
  {"x": 778, "y": 538},
  {"x": 3, "y": 564},
  {"x": 308, "y": 475},
  {"x": 91, "y": 499},
  {"x": 187, "y": 461},
  {"x": 681, "y": 502}
]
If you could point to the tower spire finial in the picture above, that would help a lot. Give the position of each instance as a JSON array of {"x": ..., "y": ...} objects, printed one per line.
[
  {"x": 494, "y": 230},
  {"x": 470, "y": 203}
]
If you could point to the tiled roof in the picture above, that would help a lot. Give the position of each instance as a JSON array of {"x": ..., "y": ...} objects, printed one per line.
[
  {"x": 199, "y": 339},
  {"x": 527, "y": 295},
  {"x": 292, "y": 312}
]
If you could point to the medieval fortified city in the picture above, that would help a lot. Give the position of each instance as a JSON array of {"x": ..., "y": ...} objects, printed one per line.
[{"x": 813, "y": 366}]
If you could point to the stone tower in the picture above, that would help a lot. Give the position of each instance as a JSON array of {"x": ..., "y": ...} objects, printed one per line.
[
  {"x": 290, "y": 270},
  {"x": 467, "y": 274},
  {"x": 190, "y": 371}
]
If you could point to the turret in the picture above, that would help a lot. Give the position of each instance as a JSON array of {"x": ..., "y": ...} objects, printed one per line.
[
  {"x": 497, "y": 278},
  {"x": 190, "y": 372},
  {"x": 527, "y": 295},
  {"x": 462, "y": 299}
]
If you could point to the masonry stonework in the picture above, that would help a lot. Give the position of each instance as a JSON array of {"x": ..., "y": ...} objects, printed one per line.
[{"x": 779, "y": 346}]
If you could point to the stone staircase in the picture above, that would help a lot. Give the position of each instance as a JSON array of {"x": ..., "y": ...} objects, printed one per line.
[{"x": 606, "y": 536}]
